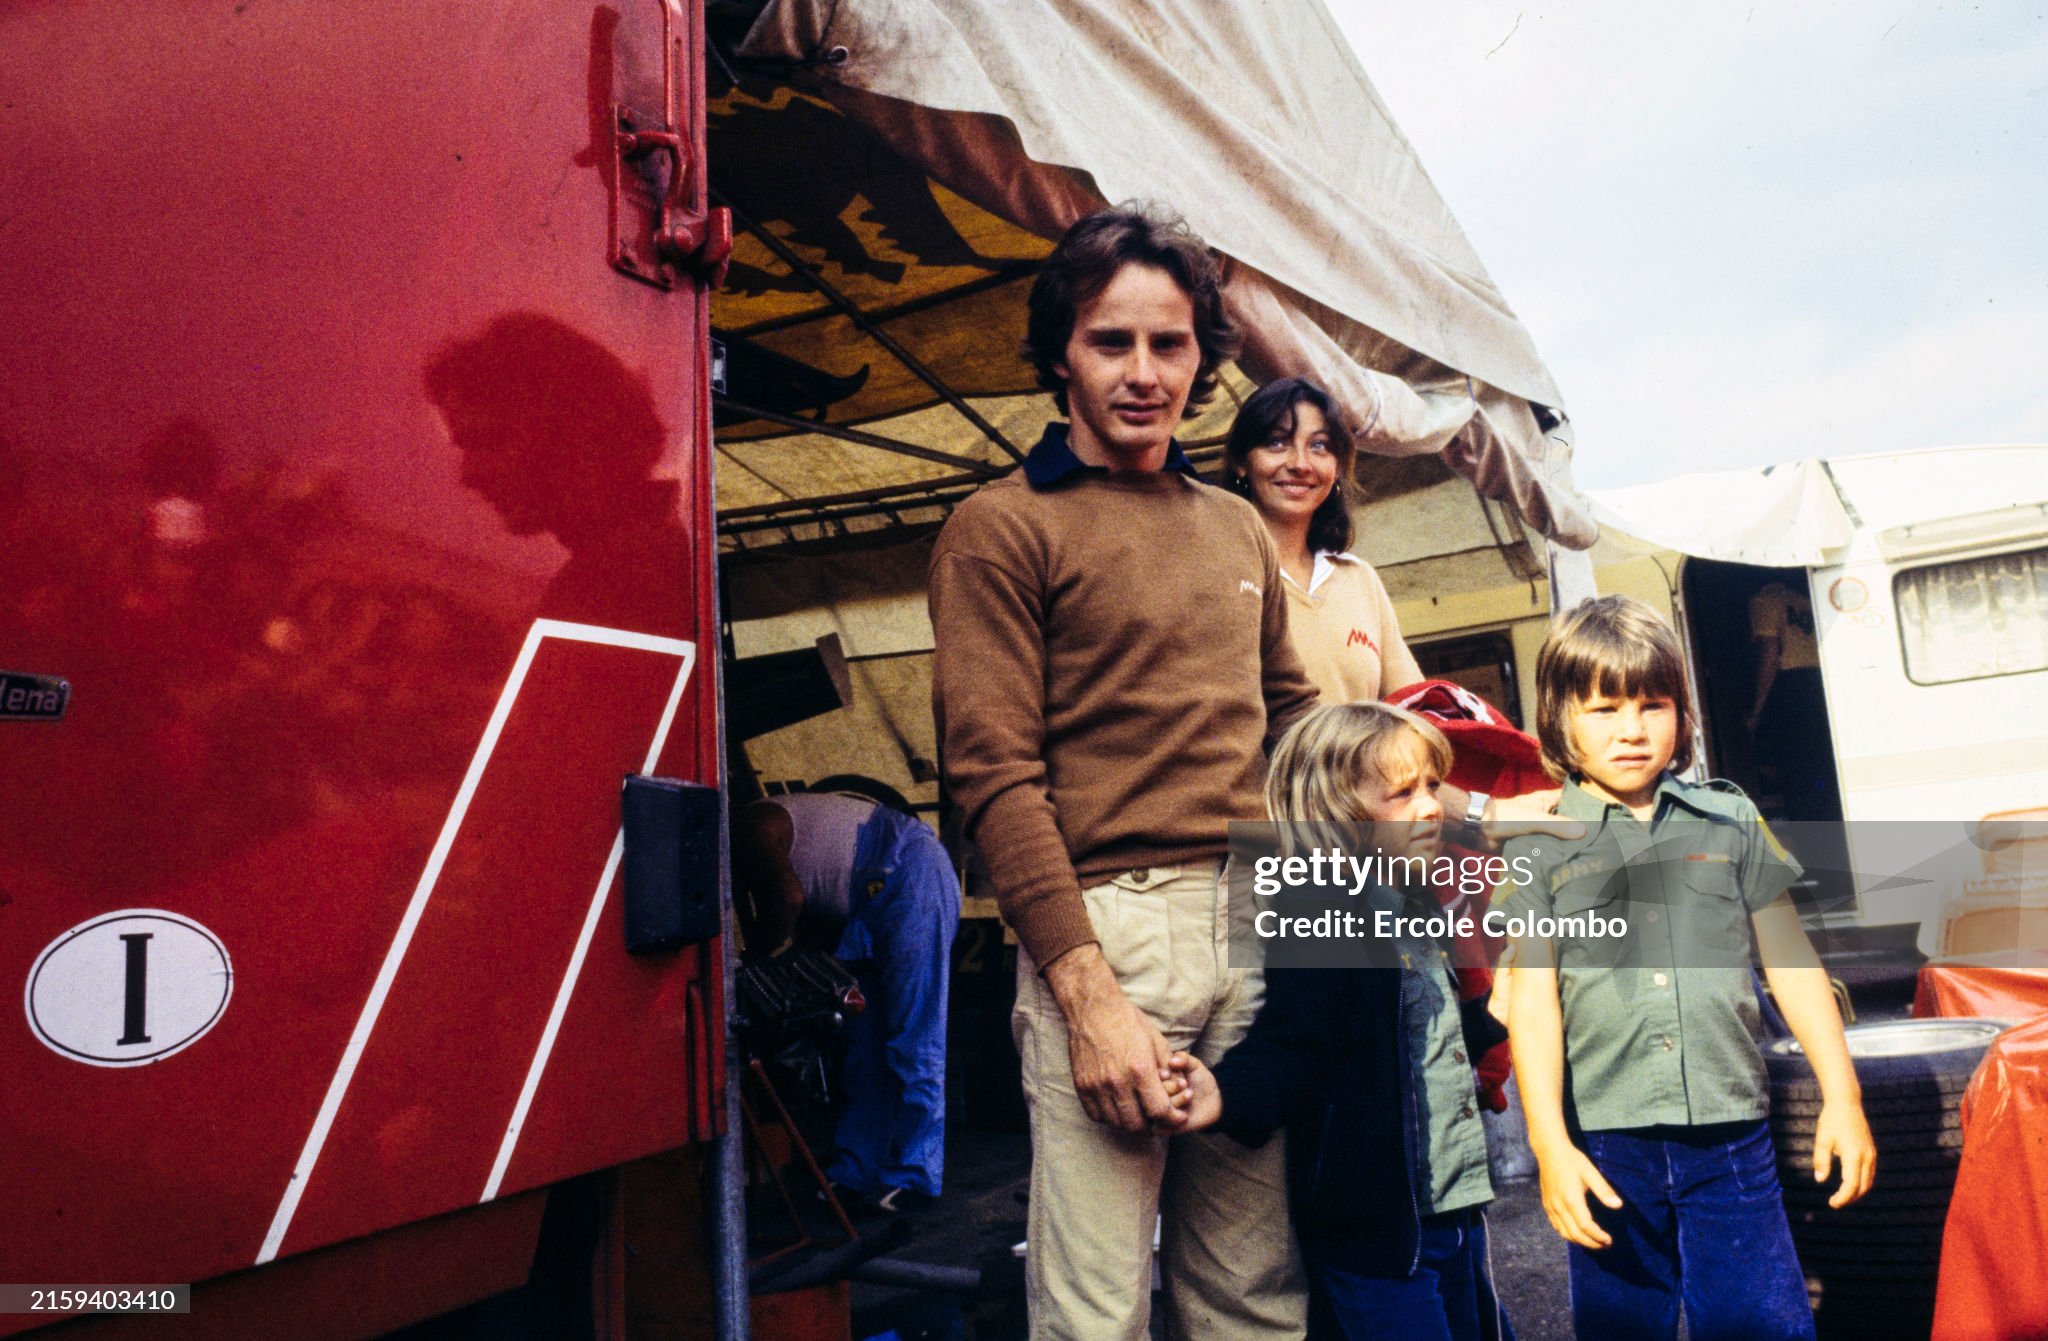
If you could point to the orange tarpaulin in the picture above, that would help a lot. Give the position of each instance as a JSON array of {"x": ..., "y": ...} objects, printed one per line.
[
  {"x": 1994, "y": 1250},
  {"x": 2000, "y": 990}
]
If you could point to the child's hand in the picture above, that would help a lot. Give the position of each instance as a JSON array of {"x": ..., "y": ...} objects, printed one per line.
[
  {"x": 1191, "y": 1089},
  {"x": 1842, "y": 1132},
  {"x": 1567, "y": 1177},
  {"x": 1173, "y": 1078}
]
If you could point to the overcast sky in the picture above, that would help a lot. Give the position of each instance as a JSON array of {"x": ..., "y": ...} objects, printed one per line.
[{"x": 1747, "y": 233}]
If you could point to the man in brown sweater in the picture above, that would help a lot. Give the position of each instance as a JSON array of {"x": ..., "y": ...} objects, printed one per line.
[{"x": 1112, "y": 659}]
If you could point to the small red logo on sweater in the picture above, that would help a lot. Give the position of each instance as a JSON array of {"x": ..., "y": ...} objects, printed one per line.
[{"x": 1360, "y": 638}]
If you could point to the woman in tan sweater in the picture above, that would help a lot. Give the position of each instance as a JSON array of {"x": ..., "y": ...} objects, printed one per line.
[{"x": 1290, "y": 454}]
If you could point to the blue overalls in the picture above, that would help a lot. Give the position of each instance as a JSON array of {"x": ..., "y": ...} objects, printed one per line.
[{"x": 904, "y": 910}]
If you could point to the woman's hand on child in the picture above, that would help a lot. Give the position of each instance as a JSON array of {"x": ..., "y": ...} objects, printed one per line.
[
  {"x": 1191, "y": 1089},
  {"x": 1567, "y": 1177},
  {"x": 1841, "y": 1132},
  {"x": 1533, "y": 812}
]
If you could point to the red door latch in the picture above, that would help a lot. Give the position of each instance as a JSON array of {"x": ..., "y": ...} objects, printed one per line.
[{"x": 651, "y": 233}]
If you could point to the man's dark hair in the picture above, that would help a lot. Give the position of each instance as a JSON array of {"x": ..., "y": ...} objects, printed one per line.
[
  {"x": 1090, "y": 255},
  {"x": 1269, "y": 414}
]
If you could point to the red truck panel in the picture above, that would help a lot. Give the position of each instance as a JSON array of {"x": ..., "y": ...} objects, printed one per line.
[{"x": 364, "y": 504}]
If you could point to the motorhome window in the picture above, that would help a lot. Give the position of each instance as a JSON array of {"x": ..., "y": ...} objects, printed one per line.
[
  {"x": 1974, "y": 619},
  {"x": 1482, "y": 662}
]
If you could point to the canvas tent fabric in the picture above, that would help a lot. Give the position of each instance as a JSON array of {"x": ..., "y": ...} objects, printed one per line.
[
  {"x": 1787, "y": 516},
  {"x": 1807, "y": 513},
  {"x": 919, "y": 155}
]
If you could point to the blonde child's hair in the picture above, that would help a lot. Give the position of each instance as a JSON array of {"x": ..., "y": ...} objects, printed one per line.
[
  {"x": 1323, "y": 758},
  {"x": 1610, "y": 646}
]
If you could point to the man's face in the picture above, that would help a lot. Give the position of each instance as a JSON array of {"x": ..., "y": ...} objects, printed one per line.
[{"x": 1129, "y": 365}]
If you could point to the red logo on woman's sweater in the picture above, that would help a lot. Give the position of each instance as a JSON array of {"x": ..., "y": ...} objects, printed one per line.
[{"x": 1360, "y": 636}]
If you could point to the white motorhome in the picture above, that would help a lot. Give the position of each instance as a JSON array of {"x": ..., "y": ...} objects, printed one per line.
[{"x": 1927, "y": 573}]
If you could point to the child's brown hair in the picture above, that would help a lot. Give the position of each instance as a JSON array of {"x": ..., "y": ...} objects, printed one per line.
[{"x": 1610, "y": 645}]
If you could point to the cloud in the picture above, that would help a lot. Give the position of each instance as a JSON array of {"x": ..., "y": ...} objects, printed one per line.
[{"x": 1739, "y": 232}]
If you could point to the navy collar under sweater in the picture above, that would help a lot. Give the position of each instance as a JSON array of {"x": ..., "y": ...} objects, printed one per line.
[{"x": 1052, "y": 462}]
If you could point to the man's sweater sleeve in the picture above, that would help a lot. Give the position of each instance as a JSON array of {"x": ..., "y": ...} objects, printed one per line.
[
  {"x": 988, "y": 696},
  {"x": 1282, "y": 679}
]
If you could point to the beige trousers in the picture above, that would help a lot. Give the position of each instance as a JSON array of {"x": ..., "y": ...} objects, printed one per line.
[{"x": 1226, "y": 1252}]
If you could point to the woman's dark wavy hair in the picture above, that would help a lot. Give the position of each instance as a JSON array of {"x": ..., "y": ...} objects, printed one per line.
[
  {"x": 1089, "y": 256},
  {"x": 1269, "y": 414}
]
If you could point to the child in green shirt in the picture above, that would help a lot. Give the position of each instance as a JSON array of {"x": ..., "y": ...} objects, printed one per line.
[{"x": 1657, "y": 1167}]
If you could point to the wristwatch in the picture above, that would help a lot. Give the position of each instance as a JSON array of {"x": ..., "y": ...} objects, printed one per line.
[{"x": 1475, "y": 810}]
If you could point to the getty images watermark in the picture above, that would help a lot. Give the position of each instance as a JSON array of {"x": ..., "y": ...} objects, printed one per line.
[
  {"x": 1679, "y": 893},
  {"x": 1323, "y": 872}
]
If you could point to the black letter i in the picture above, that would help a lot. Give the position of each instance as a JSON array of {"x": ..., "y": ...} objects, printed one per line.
[{"x": 132, "y": 1019}]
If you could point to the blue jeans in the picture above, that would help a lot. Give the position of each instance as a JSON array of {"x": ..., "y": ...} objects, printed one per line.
[
  {"x": 1702, "y": 1223},
  {"x": 1449, "y": 1298},
  {"x": 899, "y": 943}
]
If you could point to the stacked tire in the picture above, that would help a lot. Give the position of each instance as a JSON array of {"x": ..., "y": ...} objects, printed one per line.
[{"x": 1871, "y": 1267}]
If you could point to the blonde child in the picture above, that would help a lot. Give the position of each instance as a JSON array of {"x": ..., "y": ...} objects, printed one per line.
[
  {"x": 1369, "y": 1069},
  {"x": 1645, "y": 1093}
]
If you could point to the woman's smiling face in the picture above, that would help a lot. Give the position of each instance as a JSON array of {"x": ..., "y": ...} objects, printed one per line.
[{"x": 1292, "y": 472}]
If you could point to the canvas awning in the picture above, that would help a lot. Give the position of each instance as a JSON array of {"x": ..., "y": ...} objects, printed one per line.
[
  {"x": 897, "y": 169},
  {"x": 1784, "y": 516}
]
